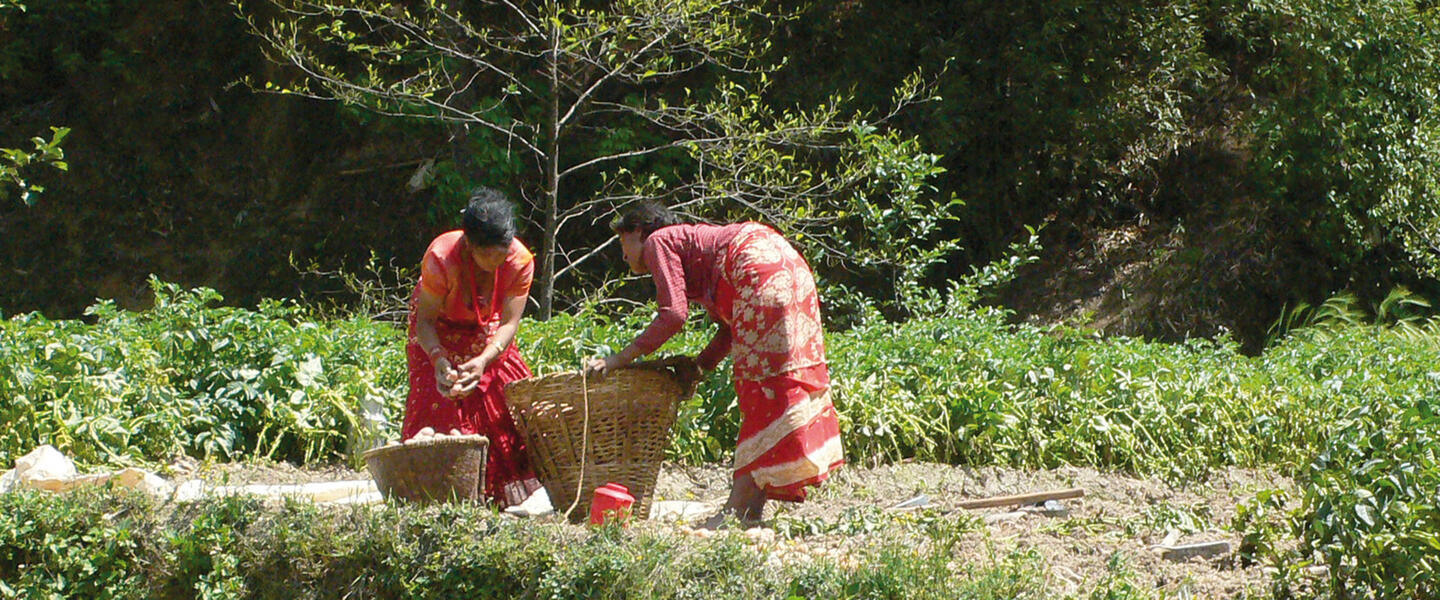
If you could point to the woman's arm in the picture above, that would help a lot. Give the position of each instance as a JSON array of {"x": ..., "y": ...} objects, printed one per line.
[
  {"x": 672, "y": 307},
  {"x": 511, "y": 309},
  {"x": 427, "y": 311}
]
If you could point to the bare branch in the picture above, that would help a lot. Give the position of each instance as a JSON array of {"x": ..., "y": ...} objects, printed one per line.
[
  {"x": 633, "y": 153},
  {"x": 580, "y": 261}
]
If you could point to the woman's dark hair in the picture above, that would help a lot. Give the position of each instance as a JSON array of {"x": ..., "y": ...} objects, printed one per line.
[
  {"x": 644, "y": 217},
  {"x": 489, "y": 220}
]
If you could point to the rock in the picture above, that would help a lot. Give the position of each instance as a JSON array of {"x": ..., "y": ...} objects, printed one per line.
[
  {"x": 919, "y": 501},
  {"x": 760, "y": 534},
  {"x": 538, "y": 504},
  {"x": 1202, "y": 549},
  {"x": 133, "y": 478},
  {"x": 44, "y": 468},
  {"x": 679, "y": 510},
  {"x": 189, "y": 491},
  {"x": 1049, "y": 508}
]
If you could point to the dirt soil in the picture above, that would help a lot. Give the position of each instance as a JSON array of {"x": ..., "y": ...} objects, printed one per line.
[
  {"x": 1118, "y": 515},
  {"x": 259, "y": 472}
]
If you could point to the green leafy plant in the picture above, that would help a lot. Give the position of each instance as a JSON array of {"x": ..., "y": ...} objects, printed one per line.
[{"x": 46, "y": 152}]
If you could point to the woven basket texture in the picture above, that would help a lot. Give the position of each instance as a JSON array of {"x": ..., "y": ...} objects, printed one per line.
[
  {"x": 438, "y": 469},
  {"x": 630, "y": 414}
]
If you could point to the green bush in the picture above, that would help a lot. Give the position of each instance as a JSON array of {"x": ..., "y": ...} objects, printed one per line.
[
  {"x": 53, "y": 549},
  {"x": 961, "y": 386},
  {"x": 187, "y": 377},
  {"x": 116, "y": 544},
  {"x": 1369, "y": 508}
]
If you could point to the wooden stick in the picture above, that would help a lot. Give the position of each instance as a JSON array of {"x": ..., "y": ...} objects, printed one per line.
[{"x": 1031, "y": 498}]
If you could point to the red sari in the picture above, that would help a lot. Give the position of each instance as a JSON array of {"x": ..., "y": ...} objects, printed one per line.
[
  {"x": 789, "y": 431},
  {"x": 469, "y": 315}
]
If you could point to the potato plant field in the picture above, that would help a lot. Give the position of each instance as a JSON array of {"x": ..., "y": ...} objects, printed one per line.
[{"x": 1340, "y": 416}]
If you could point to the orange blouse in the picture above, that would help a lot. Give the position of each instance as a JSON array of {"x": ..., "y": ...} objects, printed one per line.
[{"x": 448, "y": 272}]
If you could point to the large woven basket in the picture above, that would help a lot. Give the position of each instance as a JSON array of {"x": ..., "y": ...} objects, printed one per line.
[
  {"x": 630, "y": 414},
  {"x": 438, "y": 469}
]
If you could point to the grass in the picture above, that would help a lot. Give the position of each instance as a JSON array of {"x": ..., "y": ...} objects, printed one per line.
[{"x": 105, "y": 544}]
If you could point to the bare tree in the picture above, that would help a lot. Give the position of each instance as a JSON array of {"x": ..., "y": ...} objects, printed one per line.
[{"x": 589, "y": 66}]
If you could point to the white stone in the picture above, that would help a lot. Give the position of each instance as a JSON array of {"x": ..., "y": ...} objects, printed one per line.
[
  {"x": 536, "y": 505},
  {"x": 44, "y": 468},
  {"x": 678, "y": 510}
]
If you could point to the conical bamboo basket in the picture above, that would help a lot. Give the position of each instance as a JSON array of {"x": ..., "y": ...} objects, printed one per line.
[{"x": 612, "y": 429}]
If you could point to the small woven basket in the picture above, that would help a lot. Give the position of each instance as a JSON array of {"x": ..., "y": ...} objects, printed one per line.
[
  {"x": 630, "y": 414},
  {"x": 438, "y": 469}
]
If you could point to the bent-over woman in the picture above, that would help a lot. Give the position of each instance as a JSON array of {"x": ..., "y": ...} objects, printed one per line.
[
  {"x": 762, "y": 294},
  {"x": 474, "y": 284}
]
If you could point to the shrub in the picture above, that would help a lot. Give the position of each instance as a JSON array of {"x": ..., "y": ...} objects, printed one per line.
[
  {"x": 187, "y": 377},
  {"x": 103, "y": 544},
  {"x": 1369, "y": 507}
]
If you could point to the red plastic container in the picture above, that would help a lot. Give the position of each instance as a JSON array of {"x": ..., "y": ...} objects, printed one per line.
[{"x": 612, "y": 501}]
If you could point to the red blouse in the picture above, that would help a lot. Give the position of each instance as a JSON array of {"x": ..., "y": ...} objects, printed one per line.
[
  {"x": 684, "y": 261},
  {"x": 448, "y": 272}
]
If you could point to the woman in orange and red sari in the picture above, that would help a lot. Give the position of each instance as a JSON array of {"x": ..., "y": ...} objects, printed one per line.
[
  {"x": 762, "y": 293},
  {"x": 474, "y": 284}
]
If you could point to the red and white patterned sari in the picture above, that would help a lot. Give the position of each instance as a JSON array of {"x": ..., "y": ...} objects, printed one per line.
[{"x": 789, "y": 431}]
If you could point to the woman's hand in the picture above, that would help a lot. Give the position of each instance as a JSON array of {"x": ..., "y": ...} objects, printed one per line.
[
  {"x": 445, "y": 377},
  {"x": 598, "y": 367},
  {"x": 468, "y": 375},
  {"x": 688, "y": 371}
]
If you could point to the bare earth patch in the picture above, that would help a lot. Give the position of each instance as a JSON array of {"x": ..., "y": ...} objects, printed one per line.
[
  {"x": 261, "y": 472},
  {"x": 1120, "y": 518},
  {"x": 1119, "y": 515}
]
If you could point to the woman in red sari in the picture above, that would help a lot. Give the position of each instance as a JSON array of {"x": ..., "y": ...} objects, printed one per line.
[
  {"x": 762, "y": 293},
  {"x": 474, "y": 284}
]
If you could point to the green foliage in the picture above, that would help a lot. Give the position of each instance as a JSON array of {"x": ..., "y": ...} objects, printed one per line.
[
  {"x": 854, "y": 196},
  {"x": 118, "y": 544},
  {"x": 187, "y": 377},
  {"x": 960, "y": 387},
  {"x": 1180, "y": 116},
  {"x": 1401, "y": 309},
  {"x": 1346, "y": 131},
  {"x": 583, "y": 108},
  {"x": 1346, "y": 408},
  {"x": 1369, "y": 509},
  {"x": 46, "y": 152},
  {"x": 57, "y": 550}
]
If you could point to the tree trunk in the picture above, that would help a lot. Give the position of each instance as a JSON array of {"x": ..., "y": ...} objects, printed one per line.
[{"x": 546, "y": 278}]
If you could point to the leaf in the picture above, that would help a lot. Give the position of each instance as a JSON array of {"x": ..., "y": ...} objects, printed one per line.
[
  {"x": 1365, "y": 514},
  {"x": 308, "y": 372}
]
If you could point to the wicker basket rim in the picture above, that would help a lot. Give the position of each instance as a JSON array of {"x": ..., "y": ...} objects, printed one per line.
[
  {"x": 578, "y": 375},
  {"x": 439, "y": 440}
]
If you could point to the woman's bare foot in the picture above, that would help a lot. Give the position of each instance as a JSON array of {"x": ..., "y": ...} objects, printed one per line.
[
  {"x": 726, "y": 519},
  {"x": 745, "y": 506}
]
